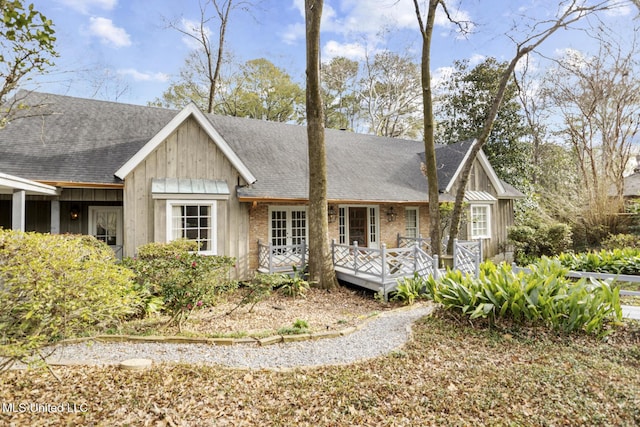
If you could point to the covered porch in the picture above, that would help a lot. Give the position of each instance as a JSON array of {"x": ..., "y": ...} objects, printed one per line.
[{"x": 19, "y": 188}]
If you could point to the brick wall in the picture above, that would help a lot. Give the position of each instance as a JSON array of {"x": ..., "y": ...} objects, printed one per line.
[{"x": 259, "y": 226}]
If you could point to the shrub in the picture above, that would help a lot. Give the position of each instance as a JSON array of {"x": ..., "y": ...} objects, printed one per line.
[
  {"x": 542, "y": 296},
  {"x": 616, "y": 261},
  {"x": 532, "y": 242},
  {"x": 621, "y": 241},
  {"x": 54, "y": 287},
  {"x": 185, "y": 279}
]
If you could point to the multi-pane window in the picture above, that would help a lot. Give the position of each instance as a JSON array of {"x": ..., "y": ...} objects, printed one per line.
[
  {"x": 411, "y": 222},
  {"x": 194, "y": 221},
  {"x": 480, "y": 226},
  {"x": 288, "y": 226}
]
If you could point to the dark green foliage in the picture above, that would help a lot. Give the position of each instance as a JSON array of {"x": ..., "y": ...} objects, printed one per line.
[
  {"x": 532, "y": 242},
  {"x": 184, "y": 279}
]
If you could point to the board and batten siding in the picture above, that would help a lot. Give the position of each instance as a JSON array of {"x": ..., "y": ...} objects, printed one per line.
[
  {"x": 187, "y": 153},
  {"x": 501, "y": 211}
]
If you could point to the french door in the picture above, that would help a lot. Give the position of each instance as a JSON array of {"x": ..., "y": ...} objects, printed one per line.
[
  {"x": 105, "y": 223},
  {"x": 288, "y": 226}
]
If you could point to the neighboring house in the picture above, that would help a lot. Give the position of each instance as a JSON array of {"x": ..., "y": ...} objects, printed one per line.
[{"x": 131, "y": 175}]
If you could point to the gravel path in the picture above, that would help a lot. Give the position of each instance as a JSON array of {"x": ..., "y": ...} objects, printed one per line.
[{"x": 379, "y": 336}]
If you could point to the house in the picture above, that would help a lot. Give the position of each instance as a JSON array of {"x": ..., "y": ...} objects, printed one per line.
[{"x": 131, "y": 175}]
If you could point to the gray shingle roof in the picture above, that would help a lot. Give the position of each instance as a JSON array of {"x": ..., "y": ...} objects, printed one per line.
[
  {"x": 74, "y": 139},
  {"x": 86, "y": 140}
]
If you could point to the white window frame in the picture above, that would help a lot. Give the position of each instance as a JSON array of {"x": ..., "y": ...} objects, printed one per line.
[
  {"x": 416, "y": 211},
  {"x": 288, "y": 224},
  {"x": 373, "y": 215},
  {"x": 213, "y": 238},
  {"x": 472, "y": 222},
  {"x": 101, "y": 208}
]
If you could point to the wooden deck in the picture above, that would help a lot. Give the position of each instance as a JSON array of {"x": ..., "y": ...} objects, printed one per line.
[{"x": 378, "y": 270}]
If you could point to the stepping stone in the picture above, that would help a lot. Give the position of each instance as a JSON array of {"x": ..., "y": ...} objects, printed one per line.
[{"x": 135, "y": 364}]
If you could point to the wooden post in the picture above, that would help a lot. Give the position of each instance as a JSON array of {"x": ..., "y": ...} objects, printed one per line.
[
  {"x": 18, "y": 207},
  {"x": 55, "y": 217},
  {"x": 304, "y": 254},
  {"x": 436, "y": 267},
  {"x": 270, "y": 248},
  {"x": 384, "y": 262},
  {"x": 355, "y": 257}
]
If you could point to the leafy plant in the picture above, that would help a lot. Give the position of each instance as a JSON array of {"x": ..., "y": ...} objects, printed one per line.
[
  {"x": 542, "y": 296},
  {"x": 295, "y": 286},
  {"x": 616, "y": 261},
  {"x": 299, "y": 327},
  {"x": 183, "y": 278},
  {"x": 56, "y": 286},
  {"x": 621, "y": 241},
  {"x": 409, "y": 289}
]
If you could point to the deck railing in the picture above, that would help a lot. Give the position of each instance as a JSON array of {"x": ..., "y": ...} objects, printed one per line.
[
  {"x": 281, "y": 258},
  {"x": 384, "y": 264},
  {"x": 423, "y": 242},
  {"x": 467, "y": 256}
]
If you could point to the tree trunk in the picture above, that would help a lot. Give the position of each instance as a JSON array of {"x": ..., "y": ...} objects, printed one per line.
[{"x": 321, "y": 270}]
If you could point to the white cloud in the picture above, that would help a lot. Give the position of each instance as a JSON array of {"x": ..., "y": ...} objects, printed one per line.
[
  {"x": 108, "y": 33},
  {"x": 370, "y": 17},
  {"x": 83, "y": 6},
  {"x": 193, "y": 28},
  {"x": 144, "y": 77},
  {"x": 619, "y": 8},
  {"x": 332, "y": 49},
  {"x": 476, "y": 59}
]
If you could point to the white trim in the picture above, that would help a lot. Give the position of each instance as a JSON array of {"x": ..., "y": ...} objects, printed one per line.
[
  {"x": 370, "y": 244},
  {"x": 288, "y": 225},
  {"x": 92, "y": 224},
  {"x": 178, "y": 196},
  {"x": 416, "y": 209},
  {"x": 17, "y": 183},
  {"x": 488, "y": 211},
  {"x": 163, "y": 134},
  {"x": 484, "y": 162},
  {"x": 199, "y": 202}
]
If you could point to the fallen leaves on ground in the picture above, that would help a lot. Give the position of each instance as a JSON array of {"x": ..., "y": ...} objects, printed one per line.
[{"x": 451, "y": 373}]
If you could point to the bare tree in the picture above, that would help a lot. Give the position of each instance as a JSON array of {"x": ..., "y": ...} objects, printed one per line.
[
  {"x": 598, "y": 100},
  {"x": 211, "y": 55},
  {"x": 568, "y": 14},
  {"x": 320, "y": 263},
  {"x": 389, "y": 95}
]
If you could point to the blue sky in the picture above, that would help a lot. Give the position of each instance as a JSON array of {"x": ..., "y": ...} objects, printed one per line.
[{"x": 128, "y": 40}]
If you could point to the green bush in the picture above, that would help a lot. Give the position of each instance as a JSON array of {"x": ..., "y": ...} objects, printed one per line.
[
  {"x": 184, "y": 279},
  {"x": 541, "y": 296},
  {"x": 616, "y": 261},
  {"x": 56, "y": 286},
  {"x": 533, "y": 242},
  {"x": 621, "y": 241}
]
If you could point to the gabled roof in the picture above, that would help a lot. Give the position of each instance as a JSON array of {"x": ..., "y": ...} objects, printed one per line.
[
  {"x": 89, "y": 141},
  {"x": 190, "y": 110}
]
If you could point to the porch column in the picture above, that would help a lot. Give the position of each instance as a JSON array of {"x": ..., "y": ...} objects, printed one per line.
[
  {"x": 55, "y": 217},
  {"x": 18, "y": 210}
]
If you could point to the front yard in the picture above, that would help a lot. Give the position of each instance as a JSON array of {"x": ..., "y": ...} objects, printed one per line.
[{"x": 453, "y": 372}]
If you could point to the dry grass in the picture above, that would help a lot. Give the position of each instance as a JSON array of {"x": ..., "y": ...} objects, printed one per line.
[{"x": 451, "y": 373}]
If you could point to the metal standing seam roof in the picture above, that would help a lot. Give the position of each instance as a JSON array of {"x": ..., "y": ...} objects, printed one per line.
[{"x": 188, "y": 186}]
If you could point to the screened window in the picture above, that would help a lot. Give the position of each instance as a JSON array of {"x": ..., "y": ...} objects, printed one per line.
[
  {"x": 411, "y": 226},
  {"x": 480, "y": 225},
  {"x": 193, "y": 221}
]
